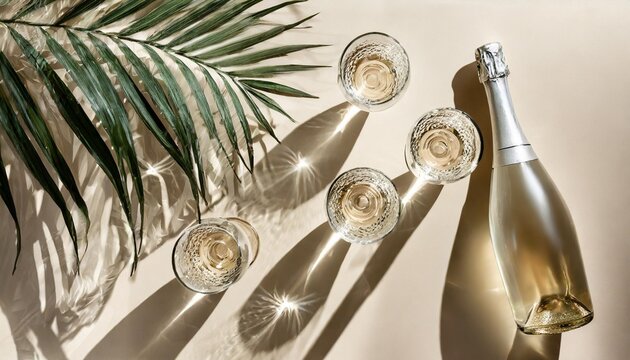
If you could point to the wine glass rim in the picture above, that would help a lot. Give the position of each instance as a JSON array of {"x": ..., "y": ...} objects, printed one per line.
[
  {"x": 428, "y": 115},
  {"x": 406, "y": 56},
  {"x": 374, "y": 33},
  {"x": 472, "y": 120},
  {"x": 399, "y": 207},
  {"x": 179, "y": 238}
]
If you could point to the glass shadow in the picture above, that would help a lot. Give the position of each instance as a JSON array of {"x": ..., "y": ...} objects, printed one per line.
[
  {"x": 306, "y": 161},
  {"x": 420, "y": 199},
  {"x": 160, "y": 327},
  {"x": 293, "y": 292}
]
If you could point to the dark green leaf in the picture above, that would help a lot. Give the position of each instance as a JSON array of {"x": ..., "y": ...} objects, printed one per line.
[
  {"x": 125, "y": 9},
  {"x": 7, "y": 198},
  {"x": 155, "y": 91},
  {"x": 103, "y": 103},
  {"x": 140, "y": 104},
  {"x": 267, "y": 101},
  {"x": 179, "y": 102},
  {"x": 213, "y": 22},
  {"x": 272, "y": 70},
  {"x": 250, "y": 41},
  {"x": 77, "y": 119},
  {"x": 231, "y": 31},
  {"x": 243, "y": 120},
  {"x": 202, "y": 104},
  {"x": 78, "y": 9},
  {"x": 29, "y": 111},
  {"x": 116, "y": 115},
  {"x": 196, "y": 14},
  {"x": 261, "y": 55},
  {"x": 28, "y": 154},
  {"x": 30, "y": 7},
  {"x": 260, "y": 118},
  {"x": 224, "y": 112},
  {"x": 159, "y": 14},
  {"x": 275, "y": 88}
]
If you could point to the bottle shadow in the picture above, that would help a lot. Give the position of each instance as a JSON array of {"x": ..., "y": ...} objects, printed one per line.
[
  {"x": 419, "y": 200},
  {"x": 306, "y": 161},
  {"x": 476, "y": 319},
  {"x": 159, "y": 327}
]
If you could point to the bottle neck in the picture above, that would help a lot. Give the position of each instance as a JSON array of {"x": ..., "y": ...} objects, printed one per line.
[{"x": 510, "y": 144}]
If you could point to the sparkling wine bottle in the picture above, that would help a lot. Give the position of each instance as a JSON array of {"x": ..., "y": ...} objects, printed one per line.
[{"x": 532, "y": 232}]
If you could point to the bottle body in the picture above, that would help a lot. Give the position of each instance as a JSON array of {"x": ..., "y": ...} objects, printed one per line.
[
  {"x": 537, "y": 250},
  {"x": 532, "y": 232}
]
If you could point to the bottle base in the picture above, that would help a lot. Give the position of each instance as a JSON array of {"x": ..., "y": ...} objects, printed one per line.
[{"x": 556, "y": 314}]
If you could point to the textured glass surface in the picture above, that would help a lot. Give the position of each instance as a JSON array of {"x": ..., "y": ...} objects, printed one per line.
[
  {"x": 211, "y": 256},
  {"x": 373, "y": 71},
  {"x": 363, "y": 205},
  {"x": 444, "y": 146},
  {"x": 537, "y": 250}
]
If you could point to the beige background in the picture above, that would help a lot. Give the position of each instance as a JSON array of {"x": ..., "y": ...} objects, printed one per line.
[{"x": 439, "y": 295}]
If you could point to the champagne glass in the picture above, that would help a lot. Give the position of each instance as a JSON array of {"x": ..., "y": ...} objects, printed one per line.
[
  {"x": 210, "y": 256},
  {"x": 444, "y": 146},
  {"x": 362, "y": 205},
  {"x": 373, "y": 71}
]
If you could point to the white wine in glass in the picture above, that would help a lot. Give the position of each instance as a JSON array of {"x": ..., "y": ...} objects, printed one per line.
[
  {"x": 373, "y": 71},
  {"x": 444, "y": 146},
  {"x": 362, "y": 205},
  {"x": 210, "y": 256}
]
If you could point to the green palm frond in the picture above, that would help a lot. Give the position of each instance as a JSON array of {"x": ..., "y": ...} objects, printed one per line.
[{"x": 214, "y": 45}]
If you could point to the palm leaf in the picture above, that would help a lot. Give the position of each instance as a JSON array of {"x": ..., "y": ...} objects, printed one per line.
[
  {"x": 204, "y": 107},
  {"x": 225, "y": 115},
  {"x": 106, "y": 105},
  {"x": 31, "y": 6},
  {"x": 213, "y": 22},
  {"x": 260, "y": 118},
  {"x": 140, "y": 103},
  {"x": 76, "y": 118},
  {"x": 156, "y": 16},
  {"x": 174, "y": 30},
  {"x": 202, "y": 10},
  {"x": 78, "y": 9},
  {"x": 7, "y": 198},
  {"x": 269, "y": 102},
  {"x": 29, "y": 112},
  {"x": 159, "y": 98},
  {"x": 269, "y": 71},
  {"x": 243, "y": 121},
  {"x": 28, "y": 154},
  {"x": 229, "y": 32},
  {"x": 125, "y": 9},
  {"x": 275, "y": 88},
  {"x": 259, "y": 56},
  {"x": 74, "y": 115},
  {"x": 250, "y": 41},
  {"x": 179, "y": 102}
]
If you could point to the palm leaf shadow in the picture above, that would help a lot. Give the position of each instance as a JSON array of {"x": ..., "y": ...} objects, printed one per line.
[
  {"x": 29, "y": 298},
  {"x": 47, "y": 281},
  {"x": 306, "y": 161},
  {"x": 159, "y": 327},
  {"x": 476, "y": 320},
  {"x": 414, "y": 211}
]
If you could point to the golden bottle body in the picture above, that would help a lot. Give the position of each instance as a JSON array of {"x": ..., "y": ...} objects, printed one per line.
[{"x": 532, "y": 231}]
